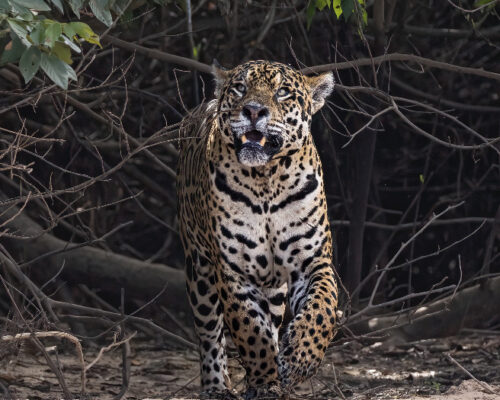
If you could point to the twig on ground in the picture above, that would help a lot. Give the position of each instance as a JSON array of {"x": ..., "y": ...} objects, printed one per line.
[
  {"x": 107, "y": 348},
  {"x": 484, "y": 385},
  {"x": 56, "y": 334},
  {"x": 39, "y": 345},
  {"x": 125, "y": 350},
  {"x": 5, "y": 391},
  {"x": 183, "y": 387}
]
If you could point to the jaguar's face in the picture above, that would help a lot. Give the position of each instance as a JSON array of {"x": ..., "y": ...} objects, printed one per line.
[{"x": 265, "y": 108}]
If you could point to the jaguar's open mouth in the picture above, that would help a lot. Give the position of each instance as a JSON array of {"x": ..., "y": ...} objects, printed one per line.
[
  {"x": 255, "y": 148},
  {"x": 254, "y": 136}
]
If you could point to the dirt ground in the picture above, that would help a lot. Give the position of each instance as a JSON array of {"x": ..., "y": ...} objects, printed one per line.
[{"x": 419, "y": 370}]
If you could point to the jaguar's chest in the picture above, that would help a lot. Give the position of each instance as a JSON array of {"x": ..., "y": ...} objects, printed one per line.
[{"x": 265, "y": 228}]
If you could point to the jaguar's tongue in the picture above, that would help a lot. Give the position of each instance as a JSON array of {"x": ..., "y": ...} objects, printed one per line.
[{"x": 254, "y": 136}]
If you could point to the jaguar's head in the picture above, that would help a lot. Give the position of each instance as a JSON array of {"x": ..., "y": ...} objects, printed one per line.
[{"x": 265, "y": 108}]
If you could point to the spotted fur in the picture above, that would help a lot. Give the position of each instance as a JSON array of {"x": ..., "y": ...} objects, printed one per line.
[{"x": 254, "y": 227}]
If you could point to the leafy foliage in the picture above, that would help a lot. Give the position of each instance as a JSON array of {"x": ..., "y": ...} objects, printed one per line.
[
  {"x": 29, "y": 37},
  {"x": 480, "y": 3},
  {"x": 341, "y": 8}
]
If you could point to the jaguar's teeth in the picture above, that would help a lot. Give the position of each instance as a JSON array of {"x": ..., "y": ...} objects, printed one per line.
[
  {"x": 262, "y": 141},
  {"x": 244, "y": 139}
]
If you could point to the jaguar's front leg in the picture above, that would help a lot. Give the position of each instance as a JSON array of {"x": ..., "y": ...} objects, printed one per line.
[
  {"x": 208, "y": 318},
  {"x": 253, "y": 320},
  {"x": 313, "y": 300}
]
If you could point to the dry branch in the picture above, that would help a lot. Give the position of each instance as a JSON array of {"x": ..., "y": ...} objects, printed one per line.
[
  {"x": 363, "y": 62},
  {"x": 159, "y": 55},
  {"x": 196, "y": 65}
]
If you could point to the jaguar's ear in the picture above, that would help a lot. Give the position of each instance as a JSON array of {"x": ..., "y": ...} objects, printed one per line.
[
  {"x": 320, "y": 88},
  {"x": 220, "y": 74}
]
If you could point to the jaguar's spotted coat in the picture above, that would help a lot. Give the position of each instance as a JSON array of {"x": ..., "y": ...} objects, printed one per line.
[{"x": 254, "y": 227}]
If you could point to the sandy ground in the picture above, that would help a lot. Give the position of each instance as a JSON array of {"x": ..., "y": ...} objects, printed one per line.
[
  {"x": 467, "y": 390},
  {"x": 420, "y": 370}
]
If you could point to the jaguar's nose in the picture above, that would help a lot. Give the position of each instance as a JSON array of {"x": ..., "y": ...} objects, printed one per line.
[{"x": 254, "y": 112}]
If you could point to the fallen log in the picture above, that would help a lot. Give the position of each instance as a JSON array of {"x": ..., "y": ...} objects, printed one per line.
[
  {"x": 94, "y": 267},
  {"x": 467, "y": 308}
]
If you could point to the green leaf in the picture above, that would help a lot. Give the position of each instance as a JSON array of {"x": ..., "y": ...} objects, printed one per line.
[
  {"x": 37, "y": 35},
  {"x": 25, "y": 15},
  {"x": 196, "y": 51},
  {"x": 347, "y": 8},
  {"x": 52, "y": 34},
  {"x": 69, "y": 30},
  {"x": 100, "y": 8},
  {"x": 421, "y": 178},
  {"x": 62, "y": 52},
  {"x": 29, "y": 63},
  {"x": 337, "y": 8},
  {"x": 57, "y": 70},
  {"x": 4, "y": 6},
  {"x": 71, "y": 72},
  {"x": 84, "y": 31},
  {"x": 58, "y": 5},
  {"x": 19, "y": 29},
  {"x": 311, "y": 10},
  {"x": 13, "y": 51},
  {"x": 38, "y": 5},
  {"x": 18, "y": 9},
  {"x": 320, "y": 4},
  {"x": 479, "y": 3},
  {"x": 76, "y": 6}
]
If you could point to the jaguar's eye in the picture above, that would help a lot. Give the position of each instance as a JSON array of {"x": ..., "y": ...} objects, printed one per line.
[
  {"x": 240, "y": 88},
  {"x": 282, "y": 92}
]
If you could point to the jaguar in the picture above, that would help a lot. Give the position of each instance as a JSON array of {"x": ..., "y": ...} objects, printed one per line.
[{"x": 254, "y": 227}]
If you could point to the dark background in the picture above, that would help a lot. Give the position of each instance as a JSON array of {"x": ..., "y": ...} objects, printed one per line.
[{"x": 383, "y": 185}]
